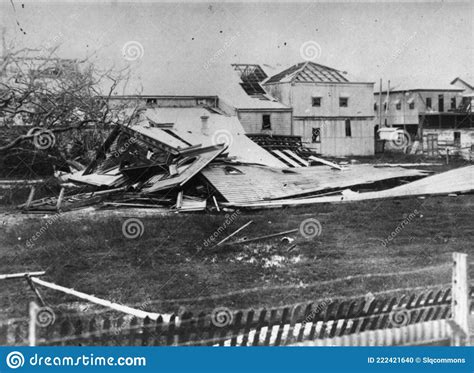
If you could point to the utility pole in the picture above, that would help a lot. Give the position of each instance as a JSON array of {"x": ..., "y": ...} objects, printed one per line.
[{"x": 380, "y": 104}]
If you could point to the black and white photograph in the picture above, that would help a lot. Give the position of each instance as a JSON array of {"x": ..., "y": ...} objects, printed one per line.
[{"x": 237, "y": 173}]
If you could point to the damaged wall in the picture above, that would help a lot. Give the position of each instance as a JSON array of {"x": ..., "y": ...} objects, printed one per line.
[
  {"x": 333, "y": 139},
  {"x": 253, "y": 121}
]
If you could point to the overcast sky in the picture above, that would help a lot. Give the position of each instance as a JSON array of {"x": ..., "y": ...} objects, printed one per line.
[{"x": 401, "y": 41}]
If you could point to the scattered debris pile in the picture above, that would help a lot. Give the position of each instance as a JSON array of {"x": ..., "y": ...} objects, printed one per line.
[{"x": 196, "y": 159}]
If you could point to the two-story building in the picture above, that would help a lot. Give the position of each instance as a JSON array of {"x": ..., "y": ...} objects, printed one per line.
[
  {"x": 407, "y": 107},
  {"x": 439, "y": 117},
  {"x": 334, "y": 116}
]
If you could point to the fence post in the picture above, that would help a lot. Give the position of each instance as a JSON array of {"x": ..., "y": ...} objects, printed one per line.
[
  {"x": 460, "y": 303},
  {"x": 33, "y": 311}
]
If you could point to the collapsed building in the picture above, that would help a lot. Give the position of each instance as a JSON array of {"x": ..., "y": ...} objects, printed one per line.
[
  {"x": 193, "y": 159},
  {"x": 195, "y": 153}
]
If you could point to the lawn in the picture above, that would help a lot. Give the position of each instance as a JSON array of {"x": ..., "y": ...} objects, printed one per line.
[{"x": 164, "y": 270}]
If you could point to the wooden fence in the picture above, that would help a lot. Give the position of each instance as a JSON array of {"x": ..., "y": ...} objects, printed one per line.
[
  {"x": 438, "y": 316},
  {"x": 265, "y": 327}
]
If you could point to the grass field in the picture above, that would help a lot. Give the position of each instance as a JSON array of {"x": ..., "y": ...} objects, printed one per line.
[{"x": 164, "y": 264}]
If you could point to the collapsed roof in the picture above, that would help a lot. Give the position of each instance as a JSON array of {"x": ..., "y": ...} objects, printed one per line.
[{"x": 308, "y": 72}]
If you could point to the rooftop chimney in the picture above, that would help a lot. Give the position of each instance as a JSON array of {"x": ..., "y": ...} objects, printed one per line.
[{"x": 205, "y": 125}]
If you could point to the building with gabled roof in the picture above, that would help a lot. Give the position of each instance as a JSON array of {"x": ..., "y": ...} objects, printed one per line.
[
  {"x": 333, "y": 115},
  {"x": 231, "y": 89},
  {"x": 464, "y": 83}
]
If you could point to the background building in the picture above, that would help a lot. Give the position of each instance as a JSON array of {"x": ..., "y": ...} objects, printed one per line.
[
  {"x": 334, "y": 116},
  {"x": 405, "y": 107},
  {"x": 440, "y": 117}
]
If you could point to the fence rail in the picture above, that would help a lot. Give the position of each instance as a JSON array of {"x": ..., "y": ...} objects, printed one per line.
[
  {"x": 435, "y": 315},
  {"x": 278, "y": 326}
]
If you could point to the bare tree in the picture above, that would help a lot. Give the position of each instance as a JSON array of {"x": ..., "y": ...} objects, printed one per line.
[{"x": 54, "y": 94}]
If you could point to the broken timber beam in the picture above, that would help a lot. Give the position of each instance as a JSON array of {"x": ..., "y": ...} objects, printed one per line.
[
  {"x": 21, "y": 275},
  {"x": 102, "y": 302},
  {"x": 233, "y": 234}
]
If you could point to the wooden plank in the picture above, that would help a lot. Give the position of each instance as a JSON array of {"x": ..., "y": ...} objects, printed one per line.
[
  {"x": 284, "y": 320},
  {"x": 271, "y": 320},
  {"x": 21, "y": 275},
  {"x": 248, "y": 325},
  {"x": 460, "y": 297},
  {"x": 234, "y": 233},
  {"x": 260, "y": 324},
  {"x": 30, "y": 197},
  {"x": 60, "y": 199},
  {"x": 118, "y": 307},
  {"x": 286, "y": 159},
  {"x": 264, "y": 237},
  {"x": 306, "y": 315},
  {"x": 296, "y": 157},
  {"x": 235, "y": 328},
  {"x": 145, "y": 336},
  {"x": 326, "y": 162},
  {"x": 32, "y": 338},
  {"x": 170, "y": 332}
]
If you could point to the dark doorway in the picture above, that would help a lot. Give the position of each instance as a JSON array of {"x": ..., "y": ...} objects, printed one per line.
[
  {"x": 379, "y": 144},
  {"x": 440, "y": 103}
]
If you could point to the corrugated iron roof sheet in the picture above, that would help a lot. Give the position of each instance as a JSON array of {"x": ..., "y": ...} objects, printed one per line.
[
  {"x": 187, "y": 125},
  {"x": 308, "y": 72},
  {"x": 247, "y": 183}
]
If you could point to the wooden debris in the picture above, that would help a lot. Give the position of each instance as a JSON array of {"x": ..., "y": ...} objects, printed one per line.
[
  {"x": 234, "y": 233},
  {"x": 264, "y": 237},
  {"x": 21, "y": 275},
  {"x": 326, "y": 162},
  {"x": 102, "y": 302}
]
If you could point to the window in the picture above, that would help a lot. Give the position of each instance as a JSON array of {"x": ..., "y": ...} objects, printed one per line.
[
  {"x": 348, "y": 128},
  {"x": 316, "y": 101},
  {"x": 440, "y": 103},
  {"x": 453, "y": 103},
  {"x": 266, "y": 124},
  {"x": 316, "y": 135},
  {"x": 428, "y": 102},
  {"x": 412, "y": 105},
  {"x": 151, "y": 101},
  {"x": 398, "y": 105},
  {"x": 343, "y": 101},
  {"x": 375, "y": 106},
  {"x": 457, "y": 138},
  {"x": 385, "y": 106}
]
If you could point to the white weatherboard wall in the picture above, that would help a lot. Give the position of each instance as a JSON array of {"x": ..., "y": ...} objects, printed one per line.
[
  {"x": 252, "y": 121},
  {"x": 334, "y": 141},
  {"x": 330, "y": 117}
]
